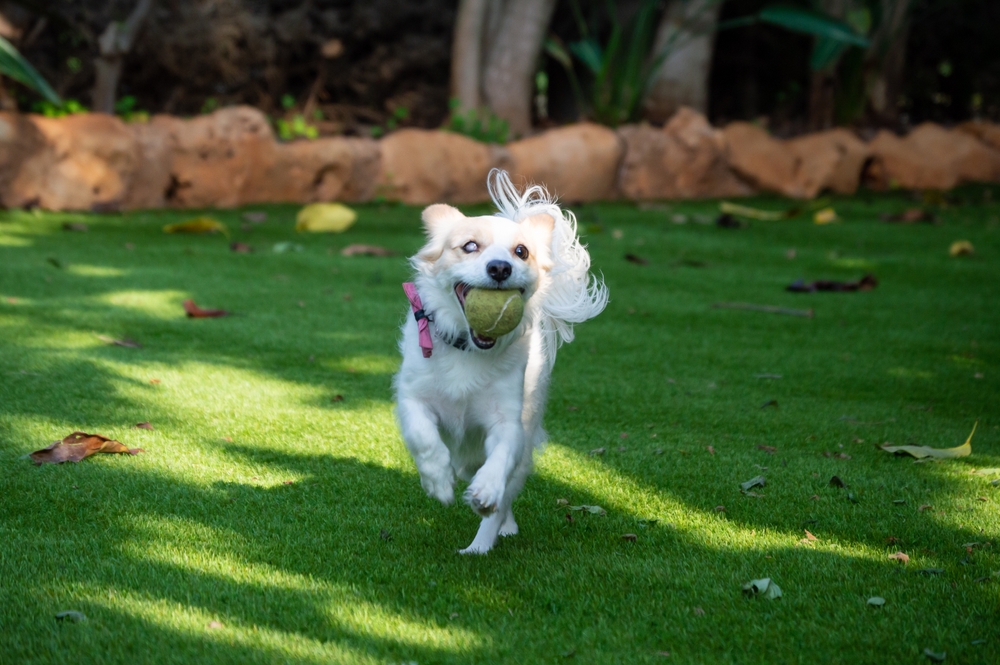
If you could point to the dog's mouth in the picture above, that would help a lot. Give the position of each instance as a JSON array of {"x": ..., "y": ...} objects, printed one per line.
[{"x": 461, "y": 291}]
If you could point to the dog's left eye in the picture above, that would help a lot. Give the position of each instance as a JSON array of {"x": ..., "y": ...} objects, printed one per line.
[
  {"x": 522, "y": 252},
  {"x": 470, "y": 247}
]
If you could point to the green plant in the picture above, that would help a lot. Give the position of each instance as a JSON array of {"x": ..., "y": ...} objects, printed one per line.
[
  {"x": 479, "y": 124},
  {"x": 296, "y": 128},
  {"x": 620, "y": 69},
  {"x": 399, "y": 114},
  {"x": 14, "y": 65},
  {"x": 125, "y": 107},
  {"x": 63, "y": 108},
  {"x": 210, "y": 105}
]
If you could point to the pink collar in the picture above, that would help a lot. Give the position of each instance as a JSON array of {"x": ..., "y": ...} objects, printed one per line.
[{"x": 423, "y": 322}]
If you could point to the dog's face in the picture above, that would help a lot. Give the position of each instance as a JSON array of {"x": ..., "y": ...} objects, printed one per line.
[{"x": 479, "y": 252}]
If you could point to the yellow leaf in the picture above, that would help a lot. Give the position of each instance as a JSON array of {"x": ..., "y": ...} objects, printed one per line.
[
  {"x": 752, "y": 213},
  {"x": 825, "y": 216},
  {"x": 325, "y": 218},
  {"x": 921, "y": 452},
  {"x": 198, "y": 225},
  {"x": 961, "y": 248}
]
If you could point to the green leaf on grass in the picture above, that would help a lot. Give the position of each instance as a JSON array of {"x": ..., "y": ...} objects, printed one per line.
[
  {"x": 756, "y": 481},
  {"x": 72, "y": 615},
  {"x": 935, "y": 656},
  {"x": 920, "y": 452},
  {"x": 876, "y": 601},
  {"x": 764, "y": 588}
]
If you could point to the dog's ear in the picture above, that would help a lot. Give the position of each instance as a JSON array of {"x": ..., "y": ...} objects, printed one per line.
[
  {"x": 438, "y": 219},
  {"x": 539, "y": 228},
  {"x": 439, "y": 216}
]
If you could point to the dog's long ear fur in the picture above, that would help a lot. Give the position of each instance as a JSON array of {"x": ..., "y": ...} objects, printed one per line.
[
  {"x": 438, "y": 219},
  {"x": 540, "y": 228}
]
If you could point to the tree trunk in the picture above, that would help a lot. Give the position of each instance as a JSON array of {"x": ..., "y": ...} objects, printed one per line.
[
  {"x": 886, "y": 62},
  {"x": 687, "y": 34},
  {"x": 467, "y": 53},
  {"x": 114, "y": 43},
  {"x": 823, "y": 83},
  {"x": 508, "y": 80}
]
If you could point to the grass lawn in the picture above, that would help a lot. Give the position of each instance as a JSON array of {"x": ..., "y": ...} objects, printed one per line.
[{"x": 270, "y": 522}]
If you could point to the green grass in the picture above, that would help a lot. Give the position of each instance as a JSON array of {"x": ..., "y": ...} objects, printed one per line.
[{"x": 298, "y": 522}]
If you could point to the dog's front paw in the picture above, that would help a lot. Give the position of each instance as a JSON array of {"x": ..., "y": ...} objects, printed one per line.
[
  {"x": 484, "y": 494},
  {"x": 439, "y": 486}
]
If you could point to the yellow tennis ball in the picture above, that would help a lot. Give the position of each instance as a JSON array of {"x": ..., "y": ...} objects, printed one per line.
[{"x": 493, "y": 312}]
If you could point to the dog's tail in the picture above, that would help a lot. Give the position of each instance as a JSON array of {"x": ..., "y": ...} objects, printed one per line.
[{"x": 574, "y": 295}]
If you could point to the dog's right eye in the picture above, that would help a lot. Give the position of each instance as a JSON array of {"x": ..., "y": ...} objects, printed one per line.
[{"x": 470, "y": 247}]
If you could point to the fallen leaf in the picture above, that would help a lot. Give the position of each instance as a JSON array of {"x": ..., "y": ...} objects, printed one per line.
[
  {"x": 325, "y": 218},
  {"x": 214, "y": 625},
  {"x": 770, "y": 450},
  {"x": 899, "y": 502},
  {"x": 143, "y": 425},
  {"x": 866, "y": 283},
  {"x": 79, "y": 445},
  {"x": 710, "y": 449},
  {"x": 809, "y": 536},
  {"x": 815, "y": 497},
  {"x": 241, "y": 248},
  {"x": 631, "y": 537},
  {"x": 901, "y": 557},
  {"x": 384, "y": 535},
  {"x": 126, "y": 342},
  {"x": 54, "y": 262},
  {"x": 876, "y": 601},
  {"x": 836, "y": 481},
  {"x": 255, "y": 217},
  {"x": 638, "y": 260},
  {"x": 593, "y": 510},
  {"x": 562, "y": 502},
  {"x": 598, "y": 451},
  {"x": 195, "y": 312},
  {"x": 155, "y": 381},
  {"x": 753, "y": 213},
  {"x": 665, "y": 654},
  {"x": 727, "y": 221},
  {"x": 366, "y": 250},
  {"x": 198, "y": 225},
  {"x": 921, "y": 452},
  {"x": 908, "y": 216},
  {"x": 75, "y": 226},
  {"x": 770, "y": 402},
  {"x": 930, "y": 571},
  {"x": 924, "y": 507},
  {"x": 719, "y": 509},
  {"x": 337, "y": 398},
  {"x": 72, "y": 615},
  {"x": 698, "y": 612},
  {"x": 756, "y": 481},
  {"x": 825, "y": 216},
  {"x": 287, "y": 246},
  {"x": 961, "y": 248},
  {"x": 764, "y": 588},
  {"x": 935, "y": 656}
]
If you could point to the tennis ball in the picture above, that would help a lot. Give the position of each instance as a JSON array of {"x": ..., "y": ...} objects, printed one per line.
[{"x": 493, "y": 312}]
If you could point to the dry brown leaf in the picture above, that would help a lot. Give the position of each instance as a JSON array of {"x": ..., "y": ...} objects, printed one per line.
[
  {"x": 198, "y": 225},
  {"x": 143, "y": 425},
  {"x": 809, "y": 536},
  {"x": 901, "y": 557},
  {"x": 241, "y": 248},
  {"x": 837, "y": 482},
  {"x": 79, "y": 445},
  {"x": 366, "y": 250},
  {"x": 924, "y": 507},
  {"x": 631, "y": 537},
  {"x": 770, "y": 450},
  {"x": 195, "y": 312},
  {"x": 699, "y": 612},
  {"x": 710, "y": 449}
]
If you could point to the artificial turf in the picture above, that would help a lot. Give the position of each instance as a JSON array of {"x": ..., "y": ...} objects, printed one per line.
[{"x": 271, "y": 521}]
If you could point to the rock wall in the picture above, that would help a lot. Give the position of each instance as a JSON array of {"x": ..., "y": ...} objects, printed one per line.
[{"x": 231, "y": 158}]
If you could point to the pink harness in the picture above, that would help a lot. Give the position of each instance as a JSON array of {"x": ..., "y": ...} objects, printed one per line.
[{"x": 423, "y": 322}]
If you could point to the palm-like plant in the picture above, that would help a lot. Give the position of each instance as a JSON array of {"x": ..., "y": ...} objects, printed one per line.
[{"x": 14, "y": 65}]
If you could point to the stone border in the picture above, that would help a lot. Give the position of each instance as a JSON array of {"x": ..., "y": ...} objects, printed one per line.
[{"x": 232, "y": 158}]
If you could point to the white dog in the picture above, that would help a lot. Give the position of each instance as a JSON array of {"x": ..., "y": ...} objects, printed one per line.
[{"x": 472, "y": 406}]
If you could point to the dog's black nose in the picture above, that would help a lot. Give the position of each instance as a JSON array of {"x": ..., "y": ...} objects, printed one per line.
[{"x": 498, "y": 270}]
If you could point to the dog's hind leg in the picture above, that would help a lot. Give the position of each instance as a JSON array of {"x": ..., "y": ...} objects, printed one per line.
[
  {"x": 486, "y": 537},
  {"x": 420, "y": 431},
  {"x": 509, "y": 526}
]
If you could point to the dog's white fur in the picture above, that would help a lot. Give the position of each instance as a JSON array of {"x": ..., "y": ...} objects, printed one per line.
[{"x": 476, "y": 413}]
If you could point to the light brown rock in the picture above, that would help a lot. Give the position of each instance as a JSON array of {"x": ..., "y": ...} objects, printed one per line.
[
  {"x": 687, "y": 158},
  {"x": 23, "y": 153},
  {"x": 931, "y": 157},
  {"x": 420, "y": 167},
  {"x": 986, "y": 132},
  {"x": 799, "y": 168},
  {"x": 79, "y": 162},
  {"x": 576, "y": 163},
  {"x": 832, "y": 160}
]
